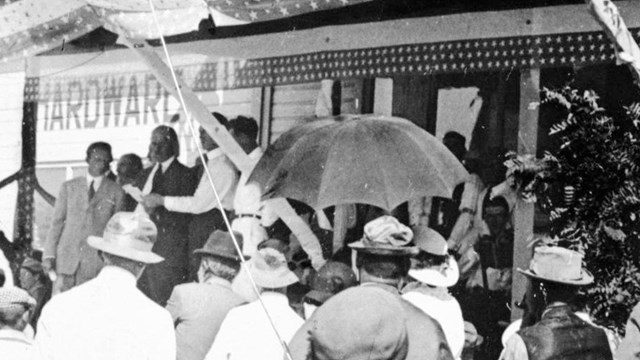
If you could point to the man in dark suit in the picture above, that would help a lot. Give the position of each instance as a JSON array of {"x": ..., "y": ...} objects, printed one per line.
[
  {"x": 198, "y": 308},
  {"x": 84, "y": 206},
  {"x": 167, "y": 177}
]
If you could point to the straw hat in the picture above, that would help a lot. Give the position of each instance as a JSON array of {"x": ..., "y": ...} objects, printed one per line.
[
  {"x": 128, "y": 235},
  {"x": 430, "y": 241},
  {"x": 386, "y": 236},
  {"x": 360, "y": 323},
  {"x": 220, "y": 244},
  {"x": 558, "y": 264},
  {"x": 14, "y": 297},
  {"x": 269, "y": 269}
]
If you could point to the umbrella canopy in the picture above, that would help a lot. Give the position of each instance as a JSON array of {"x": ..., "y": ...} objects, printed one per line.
[{"x": 369, "y": 159}]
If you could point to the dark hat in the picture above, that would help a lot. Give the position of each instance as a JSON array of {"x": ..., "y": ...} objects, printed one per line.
[
  {"x": 32, "y": 265},
  {"x": 359, "y": 323},
  {"x": 332, "y": 278},
  {"x": 221, "y": 244},
  {"x": 386, "y": 236}
]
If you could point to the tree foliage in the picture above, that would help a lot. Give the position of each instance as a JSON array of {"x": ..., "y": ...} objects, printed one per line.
[{"x": 594, "y": 201}]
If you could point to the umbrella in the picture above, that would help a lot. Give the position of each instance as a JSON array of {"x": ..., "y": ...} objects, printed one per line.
[{"x": 369, "y": 159}]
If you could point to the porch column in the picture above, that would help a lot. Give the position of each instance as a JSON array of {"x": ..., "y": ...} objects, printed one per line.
[{"x": 524, "y": 213}]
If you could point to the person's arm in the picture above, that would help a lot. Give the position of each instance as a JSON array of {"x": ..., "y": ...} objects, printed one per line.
[
  {"x": 55, "y": 230},
  {"x": 224, "y": 178}
]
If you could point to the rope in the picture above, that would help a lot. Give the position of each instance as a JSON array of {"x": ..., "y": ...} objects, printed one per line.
[{"x": 210, "y": 179}]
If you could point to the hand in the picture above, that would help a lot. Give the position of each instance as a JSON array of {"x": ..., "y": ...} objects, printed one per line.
[
  {"x": 48, "y": 264},
  {"x": 152, "y": 201}
]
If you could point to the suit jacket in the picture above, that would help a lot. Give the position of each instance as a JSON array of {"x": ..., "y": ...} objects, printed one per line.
[
  {"x": 75, "y": 218},
  {"x": 198, "y": 310},
  {"x": 173, "y": 227}
]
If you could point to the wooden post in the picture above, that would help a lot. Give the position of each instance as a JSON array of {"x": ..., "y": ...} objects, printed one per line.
[
  {"x": 383, "y": 96},
  {"x": 524, "y": 212}
]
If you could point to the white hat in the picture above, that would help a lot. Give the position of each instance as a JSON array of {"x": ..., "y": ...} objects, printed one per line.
[
  {"x": 269, "y": 269},
  {"x": 558, "y": 264},
  {"x": 129, "y": 235},
  {"x": 431, "y": 242}
]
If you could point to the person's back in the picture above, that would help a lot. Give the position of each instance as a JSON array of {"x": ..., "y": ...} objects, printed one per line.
[{"x": 106, "y": 318}]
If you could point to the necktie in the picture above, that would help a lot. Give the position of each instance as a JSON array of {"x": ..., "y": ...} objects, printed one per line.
[
  {"x": 156, "y": 185},
  {"x": 92, "y": 191}
]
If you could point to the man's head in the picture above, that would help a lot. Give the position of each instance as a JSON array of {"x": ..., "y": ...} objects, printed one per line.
[
  {"x": 245, "y": 131},
  {"x": 127, "y": 242},
  {"x": 15, "y": 308},
  {"x": 206, "y": 140},
  {"x": 219, "y": 257},
  {"x": 31, "y": 273},
  {"x": 455, "y": 142},
  {"x": 495, "y": 213},
  {"x": 128, "y": 168},
  {"x": 98, "y": 158},
  {"x": 164, "y": 144},
  {"x": 384, "y": 269}
]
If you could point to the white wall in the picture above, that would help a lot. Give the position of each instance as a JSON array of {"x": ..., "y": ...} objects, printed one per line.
[{"x": 12, "y": 85}]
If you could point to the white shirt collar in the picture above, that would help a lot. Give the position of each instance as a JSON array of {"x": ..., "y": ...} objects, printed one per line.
[
  {"x": 165, "y": 164},
  {"x": 96, "y": 181}
]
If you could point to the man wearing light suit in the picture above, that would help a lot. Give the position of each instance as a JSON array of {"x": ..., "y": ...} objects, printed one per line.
[{"x": 84, "y": 206}]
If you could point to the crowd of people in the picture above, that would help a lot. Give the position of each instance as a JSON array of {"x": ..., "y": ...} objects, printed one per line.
[{"x": 142, "y": 265}]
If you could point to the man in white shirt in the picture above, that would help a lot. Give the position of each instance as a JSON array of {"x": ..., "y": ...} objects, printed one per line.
[
  {"x": 15, "y": 310},
  {"x": 108, "y": 317},
  {"x": 84, "y": 206},
  {"x": 247, "y": 205},
  {"x": 203, "y": 203},
  {"x": 247, "y": 333}
]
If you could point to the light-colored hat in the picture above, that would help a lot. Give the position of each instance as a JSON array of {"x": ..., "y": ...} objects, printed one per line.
[
  {"x": 14, "y": 297},
  {"x": 558, "y": 264},
  {"x": 129, "y": 235},
  {"x": 430, "y": 241},
  {"x": 269, "y": 269},
  {"x": 386, "y": 236},
  {"x": 359, "y": 323}
]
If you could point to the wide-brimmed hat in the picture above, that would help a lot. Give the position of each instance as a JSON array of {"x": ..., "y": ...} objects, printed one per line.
[
  {"x": 359, "y": 323},
  {"x": 386, "y": 236},
  {"x": 220, "y": 244},
  {"x": 332, "y": 278},
  {"x": 558, "y": 264},
  {"x": 431, "y": 242},
  {"x": 129, "y": 235},
  {"x": 269, "y": 269}
]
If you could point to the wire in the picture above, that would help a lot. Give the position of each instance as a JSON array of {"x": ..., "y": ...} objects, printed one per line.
[{"x": 210, "y": 178}]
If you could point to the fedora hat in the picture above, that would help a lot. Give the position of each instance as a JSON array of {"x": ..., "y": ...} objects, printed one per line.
[
  {"x": 128, "y": 235},
  {"x": 269, "y": 269},
  {"x": 359, "y": 323},
  {"x": 332, "y": 278},
  {"x": 558, "y": 264},
  {"x": 220, "y": 244},
  {"x": 386, "y": 236},
  {"x": 431, "y": 242}
]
